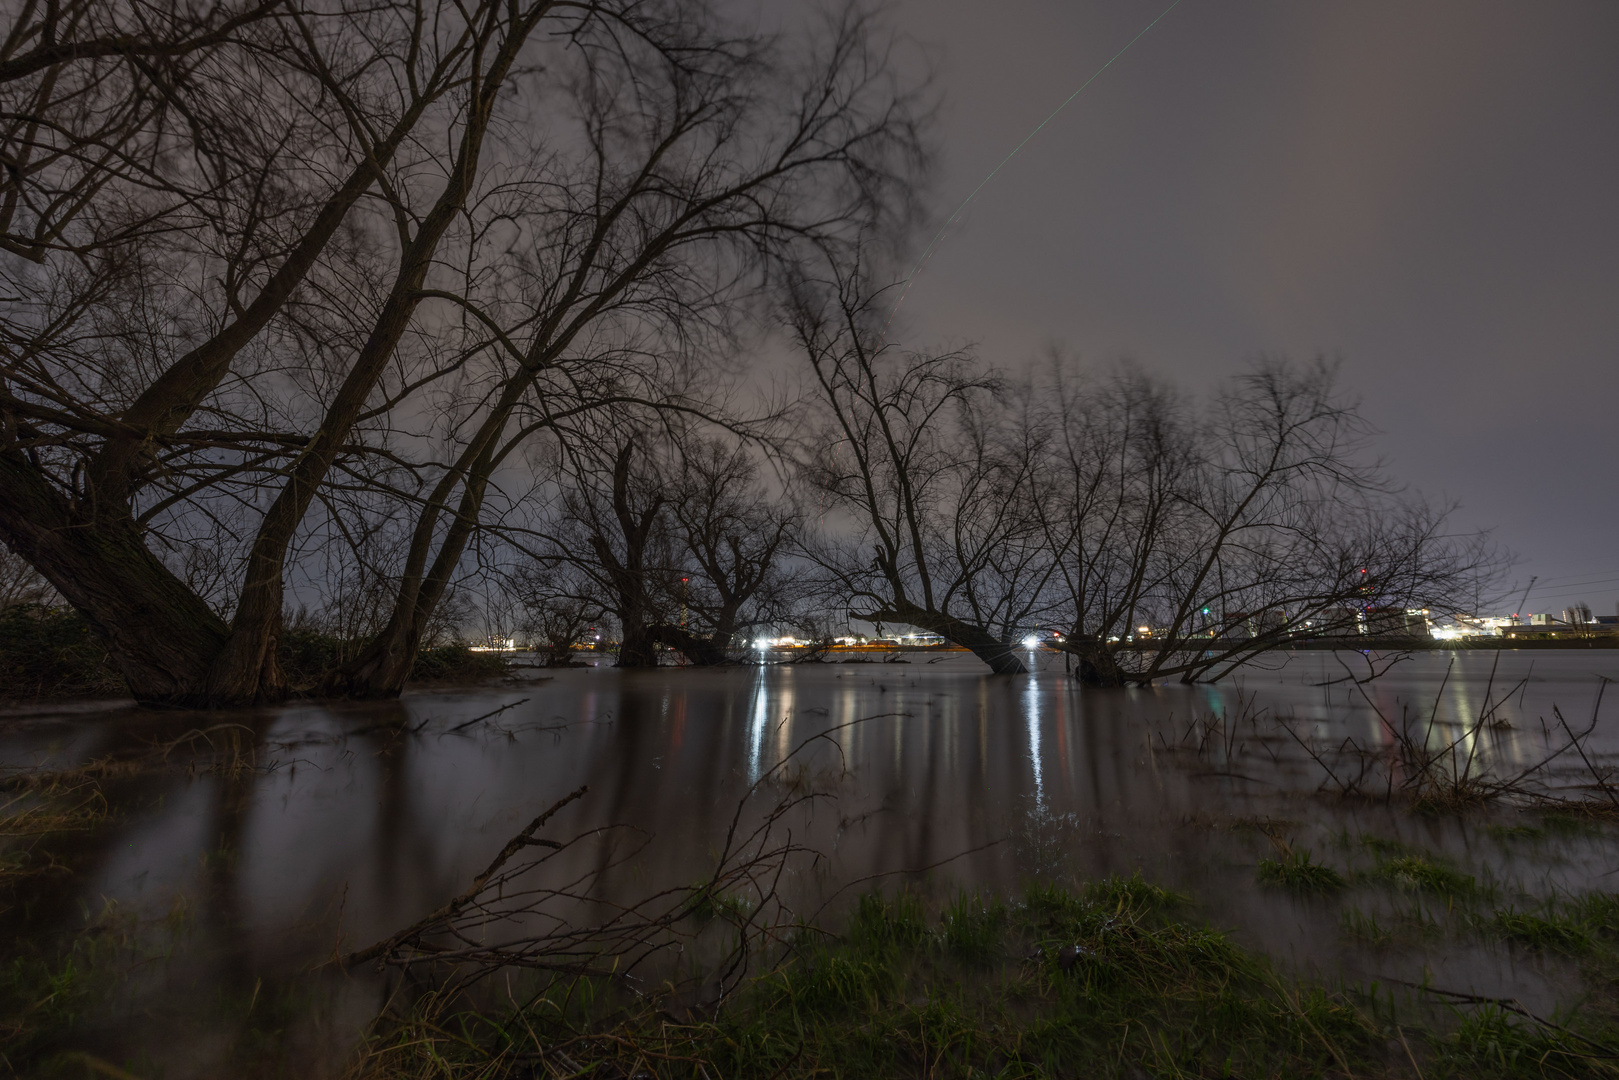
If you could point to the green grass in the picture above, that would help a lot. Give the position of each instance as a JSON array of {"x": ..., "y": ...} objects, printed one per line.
[
  {"x": 973, "y": 928},
  {"x": 1402, "y": 926},
  {"x": 1556, "y": 932},
  {"x": 1492, "y": 1042},
  {"x": 1421, "y": 874},
  {"x": 1298, "y": 872},
  {"x": 1598, "y": 913},
  {"x": 1383, "y": 846},
  {"x": 1365, "y": 928},
  {"x": 713, "y": 905},
  {"x": 1560, "y": 823},
  {"x": 1098, "y": 981}
]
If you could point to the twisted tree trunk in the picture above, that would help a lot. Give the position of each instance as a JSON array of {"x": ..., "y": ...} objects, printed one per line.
[
  {"x": 1097, "y": 665},
  {"x": 1001, "y": 656},
  {"x": 161, "y": 636},
  {"x": 697, "y": 649}
]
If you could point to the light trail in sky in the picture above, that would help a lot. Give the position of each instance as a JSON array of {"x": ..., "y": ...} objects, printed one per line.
[{"x": 927, "y": 253}]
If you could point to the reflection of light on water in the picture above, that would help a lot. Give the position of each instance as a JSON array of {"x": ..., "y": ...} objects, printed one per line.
[
  {"x": 759, "y": 720},
  {"x": 756, "y": 725},
  {"x": 849, "y": 738},
  {"x": 1031, "y": 710},
  {"x": 784, "y": 710}
]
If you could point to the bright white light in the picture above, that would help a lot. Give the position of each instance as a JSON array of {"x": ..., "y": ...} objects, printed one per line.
[
  {"x": 761, "y": 645},
  {"x": 1031, "y": 642}
]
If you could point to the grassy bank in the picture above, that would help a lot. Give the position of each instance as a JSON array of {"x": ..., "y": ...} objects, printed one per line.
[
  {"x": 1115, "y": 977},
  {"x": 1108, "y": 979}
]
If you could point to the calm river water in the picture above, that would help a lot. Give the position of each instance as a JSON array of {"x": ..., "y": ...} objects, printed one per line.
[{"x": 345, "y": 823}]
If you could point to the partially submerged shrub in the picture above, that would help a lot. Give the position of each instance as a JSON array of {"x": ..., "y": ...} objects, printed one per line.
[
  {"x": 456, "y": 662},
  {"x": 51, "y": 652},
  {"x": 309, "y": 657},
  {"x": 1416, "y": 872},
  {"x": 1558, "y": 933}
]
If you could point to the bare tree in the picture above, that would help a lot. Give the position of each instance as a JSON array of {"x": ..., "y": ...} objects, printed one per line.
[
  {"x": 1155, "y": 538},
  {"x": 1188, "y": 541},
  {"x": 612, "y": 532},
  {"x": 184, "y": 217},
  {"x": 732, "y": 538},
  {"x": 276, "y": 270},
  {"x": 705, "y": 165},
  {"x": 560, "y": 610},
  {"x": 931, "y": 520}
]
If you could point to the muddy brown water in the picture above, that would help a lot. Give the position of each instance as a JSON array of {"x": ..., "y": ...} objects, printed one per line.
[{"x": 345, "y": 823}]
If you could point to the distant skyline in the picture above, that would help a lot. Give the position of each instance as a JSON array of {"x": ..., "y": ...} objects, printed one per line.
[{"x": 1428, "y": 192}]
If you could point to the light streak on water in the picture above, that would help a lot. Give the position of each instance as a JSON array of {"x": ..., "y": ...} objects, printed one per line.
[
  {"x": 756, "y": 725},
  {"x": 1031, "y": 711}
]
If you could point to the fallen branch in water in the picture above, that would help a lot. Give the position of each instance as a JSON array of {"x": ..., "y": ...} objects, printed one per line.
[
  {"x": 1512, "y": 1005},
  {"x": 743, "y": 889},
  {"x": 488, "y": 715},
  {"x": 450, "y": 910}
]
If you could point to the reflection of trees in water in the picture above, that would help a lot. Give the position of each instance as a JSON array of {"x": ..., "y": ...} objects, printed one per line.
[
  {"x": 672, "y": 768},
  {"x": 411, "y": 865}
]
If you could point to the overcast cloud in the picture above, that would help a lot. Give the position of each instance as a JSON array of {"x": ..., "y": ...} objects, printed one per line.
[{"x": 1428, "y": 191}]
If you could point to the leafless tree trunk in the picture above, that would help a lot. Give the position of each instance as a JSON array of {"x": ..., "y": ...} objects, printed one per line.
[{"x": 186, "y": 186}]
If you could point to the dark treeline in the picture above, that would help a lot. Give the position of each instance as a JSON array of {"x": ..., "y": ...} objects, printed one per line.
[{"x": 337, "y": 318}]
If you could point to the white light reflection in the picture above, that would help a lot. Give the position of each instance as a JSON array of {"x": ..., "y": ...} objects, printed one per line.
[
  {"x": 756, "y": 725},
  {"x": 1031, "y": 710}
]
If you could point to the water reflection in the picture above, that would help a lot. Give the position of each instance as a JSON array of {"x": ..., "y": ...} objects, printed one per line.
[{"x": 354, "y": 820}]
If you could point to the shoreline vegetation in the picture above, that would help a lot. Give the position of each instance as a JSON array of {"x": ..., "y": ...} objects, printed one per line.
[
  {"x": 1113, "y": 977},
  {"x": 49, "y": 653}
]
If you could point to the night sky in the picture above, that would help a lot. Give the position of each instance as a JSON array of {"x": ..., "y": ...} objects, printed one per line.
[{"x": 1428, "y": 191}]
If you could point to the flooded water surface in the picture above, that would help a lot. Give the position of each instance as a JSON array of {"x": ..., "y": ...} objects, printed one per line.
[{"x": 328, "y": 827}]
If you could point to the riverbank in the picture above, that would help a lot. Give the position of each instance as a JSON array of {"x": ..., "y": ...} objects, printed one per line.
[
  {"x": 1116, "y": 977},
  {"x": 1111, "y": 978}
]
